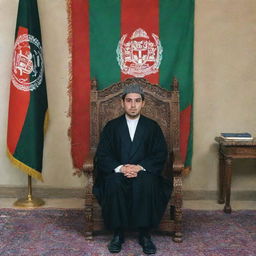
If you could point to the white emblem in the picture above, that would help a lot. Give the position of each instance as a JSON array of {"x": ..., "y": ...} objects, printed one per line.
[
  {"x": 28, "y": 68},
  {"x": 140, "y": 56}
]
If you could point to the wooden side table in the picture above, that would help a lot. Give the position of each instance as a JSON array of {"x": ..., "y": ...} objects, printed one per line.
[{"x": 229, "y": 150}]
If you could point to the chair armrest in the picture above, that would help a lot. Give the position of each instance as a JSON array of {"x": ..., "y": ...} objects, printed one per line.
[
  {"x": 177, "y": 161},
  {"x": 88, "y": 163}
]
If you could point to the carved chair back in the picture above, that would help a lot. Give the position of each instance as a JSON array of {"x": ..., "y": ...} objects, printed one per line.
[{"x": 161, "y": 105}]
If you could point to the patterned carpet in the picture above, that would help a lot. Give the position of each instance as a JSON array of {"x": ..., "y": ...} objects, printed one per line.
[{"x": 59, "y": 232}]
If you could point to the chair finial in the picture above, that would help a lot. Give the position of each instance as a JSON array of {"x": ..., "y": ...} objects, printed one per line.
[
  {"x": 94, "y": 84},
  {"x": 175, "y": 84}
]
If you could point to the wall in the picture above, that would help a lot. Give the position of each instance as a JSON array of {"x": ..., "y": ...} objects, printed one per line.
[{"x": 224, "y": 93}]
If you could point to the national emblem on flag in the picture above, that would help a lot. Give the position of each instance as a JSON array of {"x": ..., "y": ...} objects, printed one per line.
[
  {"x": 141, "y": 55},
  {"x": 28, "y": 105}
]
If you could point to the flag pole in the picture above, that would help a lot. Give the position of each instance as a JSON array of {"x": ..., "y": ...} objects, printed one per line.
[{"x": 30, "y": 201}]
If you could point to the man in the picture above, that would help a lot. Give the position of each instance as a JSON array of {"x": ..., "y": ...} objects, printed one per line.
[{"x": 129, "y": 160}]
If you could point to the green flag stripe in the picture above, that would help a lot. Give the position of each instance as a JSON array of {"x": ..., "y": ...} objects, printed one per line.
[
  {"x": 28, "y": 17},
  {"x": 104, "y": 37},
  {"x": 176, "y": 35},
  {"x": 29, "y": 148}
]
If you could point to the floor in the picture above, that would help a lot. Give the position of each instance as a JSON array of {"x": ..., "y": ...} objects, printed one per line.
[{"x": 189, "y": 204}]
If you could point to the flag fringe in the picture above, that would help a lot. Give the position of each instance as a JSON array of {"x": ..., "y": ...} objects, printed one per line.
[
  {"x": 46, "y": 121},
  {"x": 70, "y": 45},
  {"x": 25, "y": 168},
  {"x": 70, "y": 70}
]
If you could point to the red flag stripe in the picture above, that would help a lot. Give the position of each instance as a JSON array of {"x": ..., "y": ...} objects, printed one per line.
[
  {"x": 80, "y": 82},
  {"x": 140, "y": 14},
  {"x": 185, "y": 119},
  {"x": 18, "y": 106}
]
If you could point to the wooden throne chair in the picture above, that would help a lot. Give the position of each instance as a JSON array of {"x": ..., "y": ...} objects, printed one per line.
[{"x": 161, "y": 105}]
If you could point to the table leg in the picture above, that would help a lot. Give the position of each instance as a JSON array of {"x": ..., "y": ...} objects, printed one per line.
[
  {"x": 221, "y": 179},
  {"x": 228, "y": 174}
]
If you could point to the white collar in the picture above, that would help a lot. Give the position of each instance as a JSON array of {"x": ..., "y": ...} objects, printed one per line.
[{"x": 129, "y": 120}]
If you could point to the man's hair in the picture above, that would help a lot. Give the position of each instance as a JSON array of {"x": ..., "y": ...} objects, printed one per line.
[{"x": 133, "y": 88}]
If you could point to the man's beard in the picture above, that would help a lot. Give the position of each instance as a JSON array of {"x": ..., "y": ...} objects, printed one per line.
[{"x": 132, "y": 116}]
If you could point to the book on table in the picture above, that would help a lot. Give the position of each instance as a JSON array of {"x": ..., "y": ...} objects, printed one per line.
[{"x": 236, "y": 136}]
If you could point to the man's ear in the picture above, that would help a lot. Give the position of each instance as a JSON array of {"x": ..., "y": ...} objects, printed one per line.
[
  {"x": 122, "y": 103},
  {"x": 143, "y": 103}
]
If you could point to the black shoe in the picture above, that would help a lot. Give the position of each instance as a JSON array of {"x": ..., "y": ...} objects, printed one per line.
[
  {"x": 115, "y": 244},
  {"x": 147, "y": 245}
]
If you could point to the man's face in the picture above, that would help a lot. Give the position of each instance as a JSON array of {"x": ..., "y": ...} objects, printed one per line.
[{"x": 132, "y": 105}]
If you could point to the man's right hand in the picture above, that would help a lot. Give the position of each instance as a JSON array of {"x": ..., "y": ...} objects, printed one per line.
[{"x": 130, "y": 170}]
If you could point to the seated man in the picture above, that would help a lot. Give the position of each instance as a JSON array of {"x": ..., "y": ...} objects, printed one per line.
[{"x": 129, "y": 160}]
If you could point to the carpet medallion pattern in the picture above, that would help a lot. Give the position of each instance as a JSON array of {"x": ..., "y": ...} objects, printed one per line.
[{"x": 59, "y": 232}]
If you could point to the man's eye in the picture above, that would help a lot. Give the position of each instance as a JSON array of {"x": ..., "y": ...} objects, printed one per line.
[{"x": 138, "y": 100}]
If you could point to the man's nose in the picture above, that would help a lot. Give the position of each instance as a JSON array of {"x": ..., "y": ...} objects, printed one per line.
[{"x": 133, "y": 103}]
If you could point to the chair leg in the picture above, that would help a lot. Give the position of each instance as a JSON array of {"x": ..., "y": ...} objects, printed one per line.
[
  {"x": 88, "y": 217},
  {"x": 88, "y": 236},
  {"x": 177, "y": 238},
  {"x": 89, "y": 209}
]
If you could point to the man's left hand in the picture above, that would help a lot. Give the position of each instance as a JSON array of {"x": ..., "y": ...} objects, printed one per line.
[{"x": 131, "y": 170}]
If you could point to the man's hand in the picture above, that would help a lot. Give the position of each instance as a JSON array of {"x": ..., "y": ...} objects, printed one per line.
[{"x": 130, "y": 170}]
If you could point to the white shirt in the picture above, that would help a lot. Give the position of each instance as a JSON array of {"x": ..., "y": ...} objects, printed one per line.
[{"x": 132, "y": 125}]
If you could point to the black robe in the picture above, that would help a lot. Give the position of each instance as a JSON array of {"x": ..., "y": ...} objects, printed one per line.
[{"x": 148, "y": 149}]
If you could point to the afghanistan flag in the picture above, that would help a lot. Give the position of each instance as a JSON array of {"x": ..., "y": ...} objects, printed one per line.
[
  {"x": 28, "y": 98},
  {"x": 112, "y": 40}
]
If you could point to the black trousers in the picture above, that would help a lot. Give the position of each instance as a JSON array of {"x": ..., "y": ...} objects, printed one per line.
[{"x": 134, "y": 202}]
